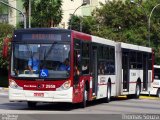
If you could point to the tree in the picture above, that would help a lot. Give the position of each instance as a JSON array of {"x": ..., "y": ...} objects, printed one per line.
[
  {"x": 126, "y": 22},
  {"x": 75, "y": 22},
  {"x": 3, "y": 8},
  {"x": 5, "y": 30},
  {"x": 45, "y": 13},
  {"x": 83, "y": 24}
]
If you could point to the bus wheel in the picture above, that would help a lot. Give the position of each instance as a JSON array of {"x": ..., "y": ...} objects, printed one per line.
[
  {"x": 137, "y": 94},
  {"x": 31, "y": 104},
  {"x": 84, "y": 102},
  {"x": 108, "y": 98},
  {"x": 158, "y": 93}
]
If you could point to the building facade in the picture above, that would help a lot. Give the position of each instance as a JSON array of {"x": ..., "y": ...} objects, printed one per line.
[
  {"x": 68, "y": 6},
  {"x": 14, "y": 16},
  {"x": 73, "y": 6}
]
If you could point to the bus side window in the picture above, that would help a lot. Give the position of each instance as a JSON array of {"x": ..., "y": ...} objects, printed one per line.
[
  {"x": 77, "y": 61},
  {"x": 85, "y": 67},
  {"x": 85, "y": 58},
  {"x": 76, "y": 66}
]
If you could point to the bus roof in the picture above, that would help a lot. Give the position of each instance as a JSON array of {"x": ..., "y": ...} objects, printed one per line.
[
  {"x": 135, "y": 47},
  {"x": 40, "y": 29},
  {"x": 156, "y": 66},
  {"x": 103, "y": 40}
]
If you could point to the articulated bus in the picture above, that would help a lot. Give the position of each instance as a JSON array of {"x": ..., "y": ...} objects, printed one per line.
[
  {"x": 99, "y": 68},
  {"x": 156, "y": 83}
]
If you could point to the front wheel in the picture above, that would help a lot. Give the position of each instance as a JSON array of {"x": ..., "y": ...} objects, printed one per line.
[
  {"x": 32, "y": 104},
  {"x": 84, "y": 102}
]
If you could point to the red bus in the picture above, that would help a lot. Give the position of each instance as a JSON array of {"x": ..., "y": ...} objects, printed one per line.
[{"x": 93, "y": 67}]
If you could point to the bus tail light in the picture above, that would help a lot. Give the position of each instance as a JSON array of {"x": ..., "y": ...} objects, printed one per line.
[
  {"x": 66, "y": 85},
  {"x": 14, "y": 85}
]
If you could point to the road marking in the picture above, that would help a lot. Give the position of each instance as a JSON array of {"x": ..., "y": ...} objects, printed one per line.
[{"x": 3, "y": 94}]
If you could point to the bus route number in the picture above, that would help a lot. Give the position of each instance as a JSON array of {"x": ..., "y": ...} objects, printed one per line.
[{"x": 50, "y": 86}]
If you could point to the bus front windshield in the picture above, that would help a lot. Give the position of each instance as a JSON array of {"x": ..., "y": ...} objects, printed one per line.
[{"x": 41, "y": 60}]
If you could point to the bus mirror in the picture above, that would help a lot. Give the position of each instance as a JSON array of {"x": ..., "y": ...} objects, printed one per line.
[{"x": 5, "y": 47}]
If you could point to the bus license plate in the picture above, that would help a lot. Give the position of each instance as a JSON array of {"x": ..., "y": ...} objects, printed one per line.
[{"x": 39, "y": 94}]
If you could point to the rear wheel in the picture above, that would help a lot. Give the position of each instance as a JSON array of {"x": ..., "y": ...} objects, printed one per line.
[
  {"x": 32, "y": 104},
  {"x": 158, "y": 93},
  {"x": 138, "y": 91},
  {"x": 108, "y": 98},
  {"x": 129, "y": 96}
]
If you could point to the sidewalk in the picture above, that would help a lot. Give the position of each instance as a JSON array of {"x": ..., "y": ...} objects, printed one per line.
[
  {"x": 4, "y": 88},
  {"x": 3, "y": 91}
]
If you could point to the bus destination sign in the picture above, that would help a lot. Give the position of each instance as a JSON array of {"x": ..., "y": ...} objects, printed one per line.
[{"x": 56, "y": 37}]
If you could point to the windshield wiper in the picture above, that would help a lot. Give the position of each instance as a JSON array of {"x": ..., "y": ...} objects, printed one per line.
[
  {"x": 46, "y": 54},
  {"x": 29, "y": 49}
]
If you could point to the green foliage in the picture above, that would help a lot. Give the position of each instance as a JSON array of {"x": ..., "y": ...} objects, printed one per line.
[
  {"x": 83, "y": 24},
  {"x": 6, "y": 30},
  {"x": 45, "y": 13},
  {"x": 4, "y": 8},
  {"x": 125, "y": 22},
  {"x": 75, "y": 22}
]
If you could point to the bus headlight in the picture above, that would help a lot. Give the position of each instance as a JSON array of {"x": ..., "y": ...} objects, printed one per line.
[
  {"x": 14, "y": 85},
  {"x": 66, "y": 85}
]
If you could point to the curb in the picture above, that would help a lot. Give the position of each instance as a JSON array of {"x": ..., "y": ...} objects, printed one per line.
[
  {"x": 150, "y": 97},
  {"x": 143, "y": 97}
]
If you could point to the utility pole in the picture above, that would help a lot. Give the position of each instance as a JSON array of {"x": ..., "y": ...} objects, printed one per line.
[{"x": 29, "y": 14}]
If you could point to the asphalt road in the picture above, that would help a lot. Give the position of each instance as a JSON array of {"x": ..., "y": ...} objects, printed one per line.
[{"x": 96, "y": 109}]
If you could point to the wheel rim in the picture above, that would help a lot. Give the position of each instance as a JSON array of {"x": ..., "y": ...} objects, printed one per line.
[
  {"x": 109, "y": 93},
  {"x": 85, "y": 96},
  {"x": 158, "y": 93},
  {"x": 84, "y": 99},
  {"x": 138, "y": 90}
]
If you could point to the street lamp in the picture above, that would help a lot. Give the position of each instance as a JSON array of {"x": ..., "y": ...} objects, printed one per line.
[
  {"x": 148, "y": 18},
  {"x": 149, "y": 21},
  {"x": 132, "y": 1},
  {"x": 24, "y": 17},
  {"x": 83, "y": 4}
]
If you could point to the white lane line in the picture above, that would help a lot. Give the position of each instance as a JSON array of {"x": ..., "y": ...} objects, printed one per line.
[{"x": 4, "y": 94}]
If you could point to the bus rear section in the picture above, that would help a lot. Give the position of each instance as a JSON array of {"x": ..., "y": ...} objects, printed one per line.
[
  {"x": 134, "y": 69},
  {"x": 156, "y": 82}
]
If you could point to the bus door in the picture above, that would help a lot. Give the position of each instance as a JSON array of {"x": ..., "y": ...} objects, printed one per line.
[
  {"x": 125, "y": 67},
  {"x": 145, "y": 71},
  {"x": 94, "y": 70}
]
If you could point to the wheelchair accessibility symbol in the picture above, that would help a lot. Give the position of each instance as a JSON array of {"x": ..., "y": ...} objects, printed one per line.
[{"x": 44, "y": 73}]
